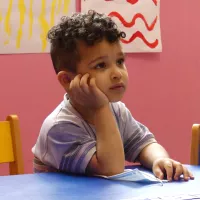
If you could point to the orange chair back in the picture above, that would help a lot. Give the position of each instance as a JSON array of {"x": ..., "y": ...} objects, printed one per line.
[{"x": 10, "y": 145}]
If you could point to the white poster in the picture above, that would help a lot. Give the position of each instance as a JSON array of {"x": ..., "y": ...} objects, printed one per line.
[
  {"x": 24, "y": 24},
  {"x": 139, "y": 19}
]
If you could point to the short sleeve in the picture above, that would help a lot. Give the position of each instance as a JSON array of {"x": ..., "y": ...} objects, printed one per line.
[
  {"x": 69, "y": 148},
  {"x": 136, "y": 136}
]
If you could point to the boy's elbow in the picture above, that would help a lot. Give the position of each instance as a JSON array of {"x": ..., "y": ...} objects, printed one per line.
[
  {"x": 113, "y": 171},
  {"x": 105, "y": 170},
  {"x": 95, "y": 167}
]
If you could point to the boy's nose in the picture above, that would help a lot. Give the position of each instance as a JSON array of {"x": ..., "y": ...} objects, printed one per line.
[{"x": 116, "y": 74}]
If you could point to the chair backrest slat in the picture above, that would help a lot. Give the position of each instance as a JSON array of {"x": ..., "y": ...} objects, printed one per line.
[
  {"x": 6, "y": 148},
  {"x": 195, "y": 145},
  {"x": 10, "y": 145}
]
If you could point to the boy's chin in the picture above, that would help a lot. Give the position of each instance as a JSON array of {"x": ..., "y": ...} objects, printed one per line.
[{"x": 114, "y": 100}]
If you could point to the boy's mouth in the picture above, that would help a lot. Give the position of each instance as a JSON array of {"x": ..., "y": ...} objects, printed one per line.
[{"x": 117, "y": 86}]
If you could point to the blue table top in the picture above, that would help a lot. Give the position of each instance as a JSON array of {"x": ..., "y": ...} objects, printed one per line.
[{"x": 55, "y": 186}]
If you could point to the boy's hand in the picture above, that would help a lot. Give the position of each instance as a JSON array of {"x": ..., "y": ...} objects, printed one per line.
[
  {"x": 171, "y": 168},
  {"x": 85, "y": 92}
]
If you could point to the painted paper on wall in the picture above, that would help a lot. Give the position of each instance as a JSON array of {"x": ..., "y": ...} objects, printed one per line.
[
  {"x": 24, "y": 23},
  {"x": 139, "y": 19}
]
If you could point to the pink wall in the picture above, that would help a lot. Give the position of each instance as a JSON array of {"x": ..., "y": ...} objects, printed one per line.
[{"x": 163, "y": 93}]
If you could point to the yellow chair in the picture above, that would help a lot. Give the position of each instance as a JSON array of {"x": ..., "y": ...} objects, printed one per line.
[
  {"x": 10, "y": 145},
  {"x": 195, "y": 145}
]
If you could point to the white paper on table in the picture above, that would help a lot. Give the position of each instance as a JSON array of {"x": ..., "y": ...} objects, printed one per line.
[
  {"x": 135, "y": 175},
  {"x": 171, "y": 197}
]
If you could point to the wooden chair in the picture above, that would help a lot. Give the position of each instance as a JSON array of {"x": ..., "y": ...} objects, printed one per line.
[
  {"x": 10, "y": 145},
  {"x": 195, "y": 145}
]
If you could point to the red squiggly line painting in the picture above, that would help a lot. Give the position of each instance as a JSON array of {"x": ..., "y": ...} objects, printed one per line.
[
  {"x": 136, "y": 1},
  {"x": 130, "y": 24},
  {"x": 138, "y": 34},
  {"x": 132, "y": 1},
  {"x": 129, "y": 1},
  {"x": 155, "y": 2}
]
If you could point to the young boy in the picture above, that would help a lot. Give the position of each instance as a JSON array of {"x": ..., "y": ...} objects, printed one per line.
[{"x": 91, "y": 131}]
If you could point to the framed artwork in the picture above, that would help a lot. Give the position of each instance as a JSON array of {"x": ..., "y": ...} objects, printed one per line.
[
  {"x": 139, "y": 19},
  {"x": 24, "y": 24}
]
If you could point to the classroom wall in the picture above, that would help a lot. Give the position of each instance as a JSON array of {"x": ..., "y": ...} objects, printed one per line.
[{"x": 163, "y": 90}]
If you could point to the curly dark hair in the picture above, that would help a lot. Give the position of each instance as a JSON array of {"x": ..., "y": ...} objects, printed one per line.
[{"x": 90, "y": 27}]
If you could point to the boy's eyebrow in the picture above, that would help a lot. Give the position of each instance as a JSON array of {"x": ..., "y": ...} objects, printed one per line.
[
  {"x": 96, "y": 59},
  {"x": 103, "y": 57},
  {"x": 121, "y": 54}
]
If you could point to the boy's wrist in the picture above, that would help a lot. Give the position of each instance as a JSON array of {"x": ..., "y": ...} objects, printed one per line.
[
  {"x": 103, "y": 115},
  {"x": 102, "y": 109}
]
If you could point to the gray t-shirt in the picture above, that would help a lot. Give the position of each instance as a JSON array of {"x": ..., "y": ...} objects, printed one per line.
[{"x": 66, "y": 142}]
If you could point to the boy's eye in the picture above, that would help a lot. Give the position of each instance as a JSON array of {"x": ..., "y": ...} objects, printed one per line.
[
  {"x": 120, "y": 61},
  {"x": 100, "y": 65}
]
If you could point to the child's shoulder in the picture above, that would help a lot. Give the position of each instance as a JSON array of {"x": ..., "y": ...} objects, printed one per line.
[
  {"x": 119, "y": 109},
  {"x": 64, "y": 113},
  {"x": 119, "y": 106}
]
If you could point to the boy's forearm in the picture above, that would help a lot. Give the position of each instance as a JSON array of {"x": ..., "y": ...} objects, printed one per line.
[
  {"x": 110, "y": 152},
  {"x": 151, "y": 153}
]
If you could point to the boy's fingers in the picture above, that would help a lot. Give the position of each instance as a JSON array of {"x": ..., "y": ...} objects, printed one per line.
[
  {"x": 191, "y": 175},
  {"x": 92, "y": 84},
  {"x": 76, "y": 84},
  {"x": 158, "y": 172},
  {"x": 187, "y": 174},
  {"x": 94, "y": 89},
  {"x": 169, "y": 169},
  {"x": 84, "y": 84},
  {"x": 77, "y": 81},
  {"x": 71, "y": 85},
  {"x": 178, "y": 170},
  {"x": 75, "y": 90}
]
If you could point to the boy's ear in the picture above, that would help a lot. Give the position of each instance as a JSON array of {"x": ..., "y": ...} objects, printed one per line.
[{"x": 64, "y": 78}]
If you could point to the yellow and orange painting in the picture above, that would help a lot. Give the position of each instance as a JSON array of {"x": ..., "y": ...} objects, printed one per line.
[{"x": 24, "y": 24}]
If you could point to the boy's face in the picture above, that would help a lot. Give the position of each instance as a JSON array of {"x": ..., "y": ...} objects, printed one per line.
[{"x": 105, "y": 62}]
